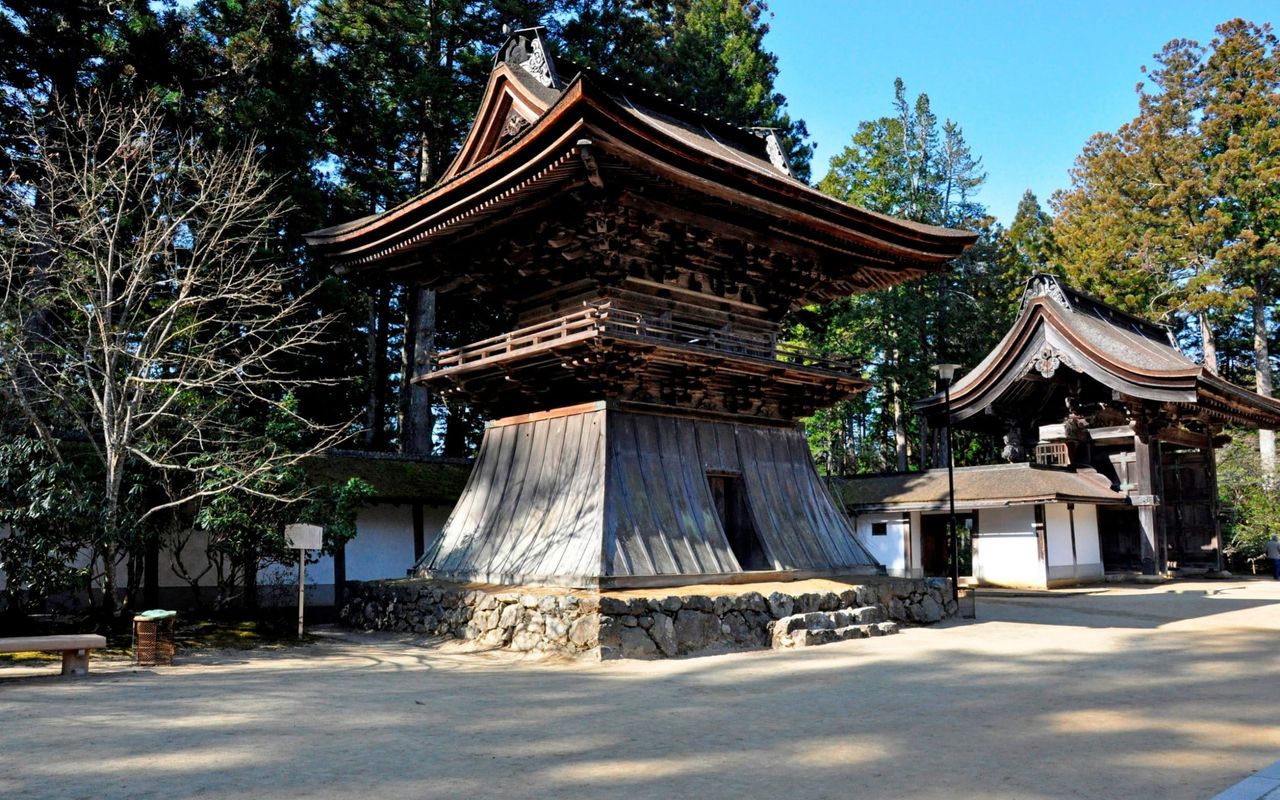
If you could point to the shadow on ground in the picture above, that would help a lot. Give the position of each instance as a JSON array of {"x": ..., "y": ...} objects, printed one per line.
[{"x": 1091, "y": 698}]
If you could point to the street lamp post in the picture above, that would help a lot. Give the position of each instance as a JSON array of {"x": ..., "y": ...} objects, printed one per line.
[{"x": 946, "y": 373}]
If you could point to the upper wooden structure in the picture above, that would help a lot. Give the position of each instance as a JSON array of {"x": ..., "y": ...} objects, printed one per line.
[
  {"x": 607, "y": 220},
  {"x": 1131, "y": 362},
  {"x": 645, "y": 254},
  {"x": 1078, "y": 383}
]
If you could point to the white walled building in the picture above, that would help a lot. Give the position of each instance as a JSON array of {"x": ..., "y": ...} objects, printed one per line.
[
  {"x": 412, "y": 500},
  {"x": 1020, "y": 525}
]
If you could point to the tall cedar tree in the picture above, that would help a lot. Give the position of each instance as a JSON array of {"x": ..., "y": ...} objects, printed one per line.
[
  {"x": 1175, "y": 215},
  {"x": 708, "y": 54},
  {"x": 910, "y": 166}
]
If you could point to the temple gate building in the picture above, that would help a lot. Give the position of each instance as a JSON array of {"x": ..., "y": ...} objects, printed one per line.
[
  {"x": 645, "y": 410},
  {"x": 1110, "y": 432}
]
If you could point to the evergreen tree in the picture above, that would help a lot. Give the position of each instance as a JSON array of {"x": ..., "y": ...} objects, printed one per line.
[
  {"x": 1241, "y": 132},
  {"x": 908, "y": 166},
  {"x": 1174, "y": 216},
  {"x": 708, "y": 54},
  {"x": 1031, "y": 234}
]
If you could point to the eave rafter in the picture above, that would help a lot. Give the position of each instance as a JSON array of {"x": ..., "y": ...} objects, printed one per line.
[{"x": 585, "y": 126}]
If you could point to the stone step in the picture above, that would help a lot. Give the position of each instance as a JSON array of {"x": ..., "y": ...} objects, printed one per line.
[
  {"x": 808, "y": 638},
  {"x": 821, "y": 627}
]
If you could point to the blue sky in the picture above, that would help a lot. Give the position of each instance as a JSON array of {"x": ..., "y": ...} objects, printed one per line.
[{"x": 1028, "y": 82}]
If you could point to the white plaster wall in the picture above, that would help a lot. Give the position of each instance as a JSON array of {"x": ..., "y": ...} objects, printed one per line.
[
  {"x": 1005, "y": 551},
  {"x": 1088, "y": 556},
  {"x": 383, "y": 548},
  {"x": 890, "y": 549},
  {"x": 1088, "y": 545},
  {"x": 1057, "y": 526}
]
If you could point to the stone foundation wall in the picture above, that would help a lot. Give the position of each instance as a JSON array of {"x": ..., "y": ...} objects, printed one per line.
[
  {"x": 545, "y": 622},
  {"x": 621, "y": 625}
]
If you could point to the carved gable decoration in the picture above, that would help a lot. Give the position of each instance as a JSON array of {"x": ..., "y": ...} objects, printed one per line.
[
  {"x": 522, "y": 85},
  {"x": 773, "y": 147},
  {"x": 1042, "y": 285},
  {"x": 526, "y": 50},
  {"x": 1047, "y": 360}
]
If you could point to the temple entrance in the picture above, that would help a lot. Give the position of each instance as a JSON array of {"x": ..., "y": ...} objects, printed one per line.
[
  {"x": 730, "y": 502},
  {"x": 1120, "y": 537},
  {"x": 934, "y": 552},
  {"x": 1188, "y": 508}
]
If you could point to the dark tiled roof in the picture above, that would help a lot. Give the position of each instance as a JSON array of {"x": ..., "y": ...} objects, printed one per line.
[{"x": 1000, "y": 484}]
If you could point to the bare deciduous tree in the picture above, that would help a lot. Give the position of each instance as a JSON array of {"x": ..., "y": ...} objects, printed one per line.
[{"x": 142, "y": 308}]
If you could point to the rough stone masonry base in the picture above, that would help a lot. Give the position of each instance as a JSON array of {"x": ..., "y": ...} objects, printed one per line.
[{"x": 628, "y": 624}]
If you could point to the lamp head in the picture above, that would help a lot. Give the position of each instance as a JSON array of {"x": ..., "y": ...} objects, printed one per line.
[{"x": 946, "y": 371}]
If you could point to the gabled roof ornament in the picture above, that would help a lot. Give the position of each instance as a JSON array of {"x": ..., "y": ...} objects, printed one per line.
[
  {"x": 1044, "y": 285},
  {"x": 773, "y": 146},
  {"x": 526, "y": 49}
]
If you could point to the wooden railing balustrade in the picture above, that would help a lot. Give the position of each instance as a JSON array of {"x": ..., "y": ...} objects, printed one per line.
[
  {"x": 605, "y": 318},
  {"x": 1053, "y": 454}
]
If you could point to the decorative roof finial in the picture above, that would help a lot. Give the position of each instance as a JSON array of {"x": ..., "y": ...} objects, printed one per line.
[
  {"x": 773, "y": 146},
  {"x": 526, "y": 49},
  {"x": 1044, "y": 285}
]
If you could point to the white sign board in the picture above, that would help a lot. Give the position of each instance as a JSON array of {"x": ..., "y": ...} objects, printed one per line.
[{"x": 304, "y": 537}]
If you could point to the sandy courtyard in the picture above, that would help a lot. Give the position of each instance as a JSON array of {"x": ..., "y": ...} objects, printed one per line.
[{"x": 1153, "y": 692}]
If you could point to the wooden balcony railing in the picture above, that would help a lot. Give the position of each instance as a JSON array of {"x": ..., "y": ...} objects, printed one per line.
[
  {"x": 607, "y": 319},
  {"x": 1054, "y": 454}
]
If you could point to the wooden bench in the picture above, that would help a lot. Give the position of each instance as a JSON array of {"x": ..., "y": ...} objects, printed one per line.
[{"x": 74, "y": 648}]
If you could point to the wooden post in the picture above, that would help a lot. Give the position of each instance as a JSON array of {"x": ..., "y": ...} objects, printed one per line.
[
  {"x": 1075, "y": 559},
  {"x": 339, "y": 577},
  {"x": 1042, "y": 542},
  {"x": 1147, "y": 497},
  {"x": 302, "y": 586},
  {"x": 419, "y": 533}
]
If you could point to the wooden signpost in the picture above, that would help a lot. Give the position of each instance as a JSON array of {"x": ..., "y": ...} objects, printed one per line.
[{"x": 302, "y": 537}]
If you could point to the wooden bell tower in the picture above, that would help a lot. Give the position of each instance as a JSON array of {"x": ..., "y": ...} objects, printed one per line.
[{"x": 645, "y": 408}]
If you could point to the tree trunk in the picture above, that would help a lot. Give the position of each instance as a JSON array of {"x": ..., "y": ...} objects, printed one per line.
[
  {"x": 371, "y": 403},
  {"x": 1207, "y": 342},
  {"x": 376, "y": 404},
  {"x": 1262, "y": 378},
  {"x": 249, "y": 566},
  {"x": 108, "y": 551},
  {"x": 416, "y": 421},
  {"x": 899, "y": 430},
  {"x": 899, "y": 421},
  {"x": 455, "y": 437}
]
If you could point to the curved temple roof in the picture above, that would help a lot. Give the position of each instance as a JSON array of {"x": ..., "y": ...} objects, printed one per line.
[
  {"x": 1060, "y": 327},
  {"x": 535, "y": 135}
]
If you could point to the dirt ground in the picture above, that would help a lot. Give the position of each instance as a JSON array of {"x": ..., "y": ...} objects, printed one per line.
[{"x": 1126, "y": 692}]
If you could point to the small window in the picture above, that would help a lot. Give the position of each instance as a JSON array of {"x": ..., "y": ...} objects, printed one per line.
[{"x": 879, "y": 529}]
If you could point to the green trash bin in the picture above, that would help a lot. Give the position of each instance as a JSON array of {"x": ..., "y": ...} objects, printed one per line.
[{"x": 153, "y": 637}]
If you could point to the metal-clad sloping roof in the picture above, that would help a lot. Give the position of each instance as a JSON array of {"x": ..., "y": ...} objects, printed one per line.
[
  {"x": 999, "y": 484},
  {"x": 541, "y": 506},
  {"x": 533, "y": 507}
]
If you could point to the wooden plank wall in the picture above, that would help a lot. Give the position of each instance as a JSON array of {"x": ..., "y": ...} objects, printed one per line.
[{"x": 613, "y": 494}]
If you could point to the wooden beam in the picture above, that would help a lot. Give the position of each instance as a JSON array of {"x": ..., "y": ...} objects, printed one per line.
[{"x": 419, "y": 532}]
